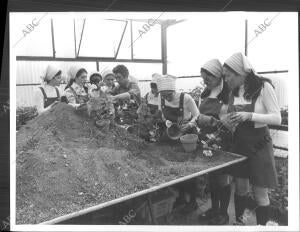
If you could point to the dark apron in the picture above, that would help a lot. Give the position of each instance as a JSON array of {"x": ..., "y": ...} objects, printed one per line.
[
  {"x": 257, "y": 145},
  {"x": 175, "y": 115},
  {"x": 49, "y": 100},
  {"x": 80, "y": 99},
  {"x": 212, "y": 107}
]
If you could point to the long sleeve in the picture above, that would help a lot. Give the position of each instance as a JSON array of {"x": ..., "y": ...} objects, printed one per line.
[
  {"x": 269, "y": 103},
  {"x": 71, "y": 98},
  {"x": 39, "y": 101},
  {"x": 191, "y": 107}
]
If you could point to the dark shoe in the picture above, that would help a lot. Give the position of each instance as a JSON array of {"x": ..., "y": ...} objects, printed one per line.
[
  {"x": 224, "y": 198},
  {"x": 208, "y": 215},
  {"x": 239, "y": 223},
  {"x": 220, "y": 219}
]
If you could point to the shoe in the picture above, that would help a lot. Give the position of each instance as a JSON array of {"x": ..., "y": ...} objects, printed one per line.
[
  {"x": 220, "y": 219},
  {"x": 239, "y": 223},
  {"x": 208, "y": 215}
]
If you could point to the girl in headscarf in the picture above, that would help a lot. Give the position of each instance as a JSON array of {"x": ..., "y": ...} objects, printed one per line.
[
  {"x": 152, "y": 96},
  {"x": 214, "y": 102},
  {"x": 254, "y": 106},
  {"x": 48, "y": 94},
  {"x": 75, "y": 91},
  {"x": 108, "y": 79}
]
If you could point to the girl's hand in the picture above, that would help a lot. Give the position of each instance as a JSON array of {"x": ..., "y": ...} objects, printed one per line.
[
  {"x": 239, "y": 117},
  {"x": 186, "y": 126}
]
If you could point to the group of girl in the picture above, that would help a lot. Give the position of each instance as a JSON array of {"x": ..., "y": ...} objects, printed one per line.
[
  {"x": 233, "y": 88},
  {"x": 76, "y": 92}
]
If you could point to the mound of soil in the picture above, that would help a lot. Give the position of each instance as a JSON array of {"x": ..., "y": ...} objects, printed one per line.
[{"x": 65, "y": 163}]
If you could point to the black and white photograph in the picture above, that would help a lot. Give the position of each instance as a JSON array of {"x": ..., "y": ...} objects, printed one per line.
[{"x": 154, "y": 121}]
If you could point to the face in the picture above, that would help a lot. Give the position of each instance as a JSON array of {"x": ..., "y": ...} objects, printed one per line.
[
  {"x": 209, "y": 80},
  {"x": 109, "y": 80},
  {"x": 154, "y": 89},
  {"x": 56, "y": 80},
  {"x": 81, "y": 79},
  {"x": 121, "y": 79},
  {"x": 167, "y": 95},
  {"x": 232, "y": 79}
]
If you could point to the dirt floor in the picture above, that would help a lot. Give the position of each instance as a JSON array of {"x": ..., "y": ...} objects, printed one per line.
[{"x": 65, "y": 164}]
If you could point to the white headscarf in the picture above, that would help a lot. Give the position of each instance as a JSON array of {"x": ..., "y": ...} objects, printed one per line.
[
  {"x": 155, "y": 76},
  {"x": 240, "y": 63},
  {"x": 73, "y": 71},
  {"x": 50, "y": 73},
  {"x": 166, "y": 82},
  {"x": 106, "y": 73},
  {"x": 214, "y": 67}
]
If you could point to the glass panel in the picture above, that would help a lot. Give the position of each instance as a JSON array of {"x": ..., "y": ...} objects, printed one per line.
[
  {"x": 64, "y": 37},
  {"x": 100, "y": 37},
  {"x": 30, "y": 40},
  {"x": 146, "y": 40}
]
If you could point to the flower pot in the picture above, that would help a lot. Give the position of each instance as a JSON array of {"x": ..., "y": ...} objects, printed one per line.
[{"x": 189, "y": 142}]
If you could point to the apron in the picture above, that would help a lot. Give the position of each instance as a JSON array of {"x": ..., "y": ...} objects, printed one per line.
[
  {"x": 210, "y": 107},
  {"x": 175, "y": 115},
  {"x": 252, "y": 143},
  {"x": 49, "y": 100},
  {"x": 80, "y": 99}
]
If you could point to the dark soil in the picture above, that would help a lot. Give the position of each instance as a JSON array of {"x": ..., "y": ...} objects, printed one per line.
[{"x": 65, "y": 164}]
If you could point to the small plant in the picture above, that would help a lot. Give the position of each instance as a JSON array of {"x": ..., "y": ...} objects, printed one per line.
[{"x": 25, "y": 114}]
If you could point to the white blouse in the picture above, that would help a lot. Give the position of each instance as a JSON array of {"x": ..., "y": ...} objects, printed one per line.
[
  {"x": 266, "y": 108},
  {"x": 79, "y": 90}
]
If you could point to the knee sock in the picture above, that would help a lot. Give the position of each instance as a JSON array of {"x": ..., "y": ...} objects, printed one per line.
[
  {"x": 262, "y": 215},
  {"x": 214, "y": 195},
  {"x": 239, "y": 206},
  {"x": 224, "y": 198}
]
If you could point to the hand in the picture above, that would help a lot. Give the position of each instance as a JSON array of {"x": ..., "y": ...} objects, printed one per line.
[
  {"x": 101, "y": 83},
  {"x": 113, "y": 99},
  {"x": 82, "y": 107},
  {"x": 239, "y": 117},
  {"x": 186, "y": 126}
]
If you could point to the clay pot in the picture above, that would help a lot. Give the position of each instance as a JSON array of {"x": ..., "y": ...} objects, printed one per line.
[{"x": 189, "y": 142}]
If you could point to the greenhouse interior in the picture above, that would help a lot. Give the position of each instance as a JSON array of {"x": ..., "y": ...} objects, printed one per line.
[{"x": 71, "y": 171}]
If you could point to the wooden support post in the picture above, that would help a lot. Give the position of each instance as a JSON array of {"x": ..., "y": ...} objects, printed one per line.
[
  {"x": 151, "y": 210},
  {"x": 164, "y": 48}
]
